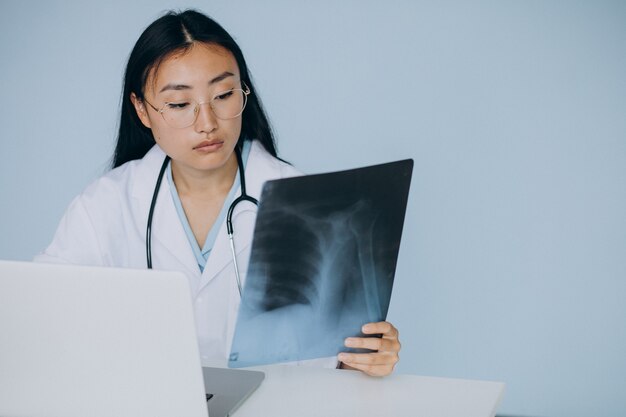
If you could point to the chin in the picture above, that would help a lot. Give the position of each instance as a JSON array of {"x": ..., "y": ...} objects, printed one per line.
[{"x": 213, "y": 161}]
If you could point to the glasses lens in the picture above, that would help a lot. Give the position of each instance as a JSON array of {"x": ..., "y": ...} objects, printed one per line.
[
  {"x": 180, "y": 115},
  {"x": 225, "y": 105},
  {"x": 229, "y": 104}
]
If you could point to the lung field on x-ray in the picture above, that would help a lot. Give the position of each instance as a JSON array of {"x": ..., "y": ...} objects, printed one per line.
[{"x": 326, "y": 263}]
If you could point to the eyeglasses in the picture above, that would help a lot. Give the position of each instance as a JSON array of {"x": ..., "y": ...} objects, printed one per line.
[{"x": 225, "y": 105}]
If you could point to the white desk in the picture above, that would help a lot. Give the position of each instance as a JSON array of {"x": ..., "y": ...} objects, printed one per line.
[{"x": 303, "y": 391}]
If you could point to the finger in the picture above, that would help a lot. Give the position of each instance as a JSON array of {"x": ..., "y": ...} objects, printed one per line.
[
  {"x": 373, "y": 370},
  {"x": 371, "y": 365},
  {"x": 373, "y": 343},
  {"x": 382, "y": 327},
  {"x": 352, "y": 359}
]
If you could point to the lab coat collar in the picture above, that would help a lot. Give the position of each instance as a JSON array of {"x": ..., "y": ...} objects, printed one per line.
[{"x": 168, "y": 232}]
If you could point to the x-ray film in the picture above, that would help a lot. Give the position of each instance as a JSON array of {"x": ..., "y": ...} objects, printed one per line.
[{"x": 322, "y": 263}]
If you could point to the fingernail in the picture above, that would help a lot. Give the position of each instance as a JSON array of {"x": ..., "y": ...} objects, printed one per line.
[
  {"x": 366, "y": 328},
  {"x": 342, "y": 357},
  {"x": 349, "y": 342}
]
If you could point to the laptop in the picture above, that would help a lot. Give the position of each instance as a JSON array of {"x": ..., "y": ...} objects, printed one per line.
[{"x": 78, "y": 341}]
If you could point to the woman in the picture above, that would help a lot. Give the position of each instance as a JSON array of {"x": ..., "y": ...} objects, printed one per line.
[{"x": 191, "y": 115}]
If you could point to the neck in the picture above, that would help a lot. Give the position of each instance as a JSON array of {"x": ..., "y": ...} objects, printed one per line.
[{"x": 193, "y": 182}]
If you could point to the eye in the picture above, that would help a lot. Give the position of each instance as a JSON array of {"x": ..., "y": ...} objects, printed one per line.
[
  {"x": 176, "y": 106},
  {"x": 224, "y": 95}
]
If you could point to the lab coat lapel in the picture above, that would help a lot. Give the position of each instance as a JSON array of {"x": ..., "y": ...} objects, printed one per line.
[
  {"x": 169, "y": 241},
  {"x": 168, "y": 231}
]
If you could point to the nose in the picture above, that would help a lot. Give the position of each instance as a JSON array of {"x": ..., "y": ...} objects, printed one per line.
[{"x": 206, "y": 120}]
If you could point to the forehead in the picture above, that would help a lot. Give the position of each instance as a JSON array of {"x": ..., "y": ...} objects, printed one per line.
[{"x": 193, "y": 67}]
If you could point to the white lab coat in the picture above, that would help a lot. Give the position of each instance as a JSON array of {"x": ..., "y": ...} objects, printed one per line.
[{"x": 106, "y": 226}]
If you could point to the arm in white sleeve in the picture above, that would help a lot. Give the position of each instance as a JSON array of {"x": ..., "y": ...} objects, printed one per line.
[{"x": 75, "y": 240}]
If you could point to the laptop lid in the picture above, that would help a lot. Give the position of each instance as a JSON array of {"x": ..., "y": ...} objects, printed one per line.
[{"x": 78, "y": 341}]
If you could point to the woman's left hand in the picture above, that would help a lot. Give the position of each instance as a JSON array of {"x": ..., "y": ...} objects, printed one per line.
[{"x": 385, "y": 349}]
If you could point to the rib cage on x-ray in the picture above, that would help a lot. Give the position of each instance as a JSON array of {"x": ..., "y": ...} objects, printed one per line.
[{"x": 327, "y": 262}]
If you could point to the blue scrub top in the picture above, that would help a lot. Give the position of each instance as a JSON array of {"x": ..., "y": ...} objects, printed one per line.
[{"x": 203, "y": 254}]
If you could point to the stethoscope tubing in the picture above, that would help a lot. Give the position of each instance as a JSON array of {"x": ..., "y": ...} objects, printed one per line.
[
  {"x": 229, "y": 217},
  {"x": 151, "y": 212}
]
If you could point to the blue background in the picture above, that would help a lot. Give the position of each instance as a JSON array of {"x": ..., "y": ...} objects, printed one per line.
[{"x": 513, "y": 260}]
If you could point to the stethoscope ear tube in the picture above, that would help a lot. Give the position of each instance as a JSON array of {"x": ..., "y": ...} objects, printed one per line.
[
  {"x": 243, "y": 197},
  {"x": 229, "y": 216},
  {"x": 151, "y": 212}
]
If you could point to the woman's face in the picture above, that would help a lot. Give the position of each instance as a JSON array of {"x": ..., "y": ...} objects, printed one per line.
[{"x": 198, "y": 74}]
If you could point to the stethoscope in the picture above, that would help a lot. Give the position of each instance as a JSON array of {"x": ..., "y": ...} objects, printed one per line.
[{"x": 229, "y": 216}]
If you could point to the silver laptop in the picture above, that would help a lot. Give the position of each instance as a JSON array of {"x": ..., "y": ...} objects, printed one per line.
[{"x": 78, "y": 341}]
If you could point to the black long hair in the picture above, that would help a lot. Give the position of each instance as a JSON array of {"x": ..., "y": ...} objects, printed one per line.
[{"x": 175, "y": 32}]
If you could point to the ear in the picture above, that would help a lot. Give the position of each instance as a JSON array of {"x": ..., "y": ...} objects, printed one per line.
[{"x": 141, "y": 110}]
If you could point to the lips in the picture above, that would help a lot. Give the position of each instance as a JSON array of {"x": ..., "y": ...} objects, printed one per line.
[{"x": 208, "y": 146}]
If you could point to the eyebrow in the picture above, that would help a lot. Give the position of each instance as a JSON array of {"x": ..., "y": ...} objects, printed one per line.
[
  {"x": 220, "y": 77},
  {"x": 177, "y": 87}
]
